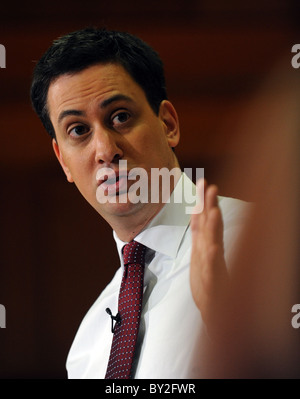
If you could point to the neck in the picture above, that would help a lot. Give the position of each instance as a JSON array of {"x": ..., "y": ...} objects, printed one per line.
[{"x": 128, "y": 227}]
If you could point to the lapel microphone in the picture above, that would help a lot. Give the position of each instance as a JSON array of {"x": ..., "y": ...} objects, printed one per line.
[{"x": 116, "y": 318}]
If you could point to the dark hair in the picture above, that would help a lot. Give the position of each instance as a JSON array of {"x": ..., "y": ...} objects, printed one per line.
[{"x": 83, "y": 48}]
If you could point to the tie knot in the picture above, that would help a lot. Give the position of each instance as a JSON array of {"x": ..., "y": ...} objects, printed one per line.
[{"x": 134, "y": 252}]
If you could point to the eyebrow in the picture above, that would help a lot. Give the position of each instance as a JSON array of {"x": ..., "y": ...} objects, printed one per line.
[
  {"x": 104, "y": 104},
  {"x": 116, "y": 97},
  {"x": 69, "y": 112}
]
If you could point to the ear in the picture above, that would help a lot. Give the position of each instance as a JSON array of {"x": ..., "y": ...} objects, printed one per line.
[
  {"x": 169, "y": 117},
  {"x": 61, "y": 161}
]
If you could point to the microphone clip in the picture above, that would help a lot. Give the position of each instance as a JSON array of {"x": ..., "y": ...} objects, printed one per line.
[{"x": 116, "y": 318}]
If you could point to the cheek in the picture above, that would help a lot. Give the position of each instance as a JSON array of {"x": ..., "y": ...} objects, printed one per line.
[
  {"x": 80, "y": 169},
  {"x": 153, "y": 140}
]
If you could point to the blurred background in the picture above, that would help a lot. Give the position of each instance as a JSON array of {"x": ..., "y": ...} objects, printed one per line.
[{"x": 218, "y": 56}]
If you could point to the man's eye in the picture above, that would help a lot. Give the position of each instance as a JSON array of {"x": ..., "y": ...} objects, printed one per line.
[
  {"x": 120, "y": 118},
  {"x": 78, "y": 130}
]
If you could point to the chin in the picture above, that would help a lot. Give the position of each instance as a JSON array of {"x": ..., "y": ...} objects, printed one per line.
[{"x": 119, "y": 209}]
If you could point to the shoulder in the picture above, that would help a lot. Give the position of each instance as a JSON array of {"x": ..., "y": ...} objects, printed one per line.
[
  {"x": 234, "y": 209},
  {"x": 235, "y": 214}
]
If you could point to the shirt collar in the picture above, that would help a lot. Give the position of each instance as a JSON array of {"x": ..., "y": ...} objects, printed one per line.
[{"x": 165, "y": 231}]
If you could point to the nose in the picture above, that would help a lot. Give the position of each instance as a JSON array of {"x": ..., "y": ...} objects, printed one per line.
[{"x": 107, "y": 149}]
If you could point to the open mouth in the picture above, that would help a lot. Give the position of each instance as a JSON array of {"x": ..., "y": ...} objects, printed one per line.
[{"x": 111, "y": 182}]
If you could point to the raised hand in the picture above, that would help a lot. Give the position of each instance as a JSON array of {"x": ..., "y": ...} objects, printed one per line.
[{"x": 208, "y": 275}]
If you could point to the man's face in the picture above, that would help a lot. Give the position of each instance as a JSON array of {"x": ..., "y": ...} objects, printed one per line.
[{"x": 100, "y": 116}]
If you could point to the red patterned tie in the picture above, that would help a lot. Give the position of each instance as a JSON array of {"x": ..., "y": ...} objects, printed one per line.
[{"x": 129, "y": 310}]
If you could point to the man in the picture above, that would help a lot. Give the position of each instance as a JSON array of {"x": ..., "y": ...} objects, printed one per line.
[{"x": 101, "y": 96}]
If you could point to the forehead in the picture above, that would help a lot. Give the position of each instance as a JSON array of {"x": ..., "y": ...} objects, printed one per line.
[{"x": 95, "y": 83}]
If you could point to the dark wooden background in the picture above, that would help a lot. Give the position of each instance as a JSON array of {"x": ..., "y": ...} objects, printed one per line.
[{"x": 216, "y": 55}]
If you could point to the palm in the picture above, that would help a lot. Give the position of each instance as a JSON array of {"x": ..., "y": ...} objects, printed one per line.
[{"x": 208, "y": 274}]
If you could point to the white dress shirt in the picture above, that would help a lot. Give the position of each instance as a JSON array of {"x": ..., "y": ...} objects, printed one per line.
[{"x": 171, "y": 324}]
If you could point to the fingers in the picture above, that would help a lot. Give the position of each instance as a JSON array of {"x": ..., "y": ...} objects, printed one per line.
[
  {"x": 207, "y": 199},
  {"x": 208, "y": 277},
  {"x": 207, "y": 226},
  {"x": 207, "y": 195},
  {"x": 211, "y": 200}
]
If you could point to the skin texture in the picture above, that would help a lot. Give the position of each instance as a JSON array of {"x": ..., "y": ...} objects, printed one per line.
[
  {"x": 117, "y": 123},
  {"x": 101, "y": 116},
  {"x": 209, "y": 278}
]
